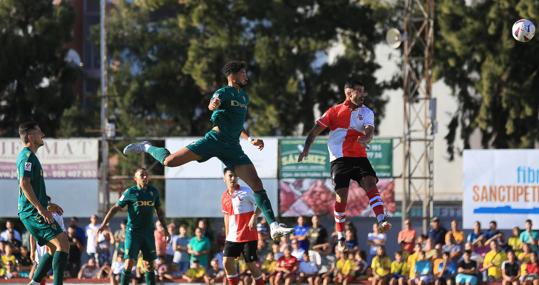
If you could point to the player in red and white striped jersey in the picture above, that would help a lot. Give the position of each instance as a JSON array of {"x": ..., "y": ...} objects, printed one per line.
[
  {"x": 239, "y": 209},
  {"x": 351, "y": 126}
]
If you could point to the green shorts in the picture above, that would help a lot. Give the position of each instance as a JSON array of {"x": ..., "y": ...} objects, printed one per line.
[
  {"x": 230, "y": 153},
  {"x": 139, "y": 241},
  {"x": 39, "y": 229}
]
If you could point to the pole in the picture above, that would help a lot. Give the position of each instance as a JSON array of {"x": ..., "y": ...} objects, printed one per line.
[{"x": 103, "y": 177}]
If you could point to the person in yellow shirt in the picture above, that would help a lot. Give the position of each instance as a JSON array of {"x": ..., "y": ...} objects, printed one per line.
[
  {"x": 9, "y": 263},
  {"x": 268, "y": 267},
  {"x": 458, "y": 235},
  {"x": 195, "y": 274},
  {"x": 524, "y": 257},
  {"x": 514, "y": 241},
  {"x": 381, "y": 267},
  {"x": 493, "y": 262},
  {"x": 412, "y": 259},
  {"x": 399, "y": 270},
  {"x": 345, "y": 269}
]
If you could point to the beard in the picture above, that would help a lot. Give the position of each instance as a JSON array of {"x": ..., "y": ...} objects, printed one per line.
[{"x": 242, "y": 84}]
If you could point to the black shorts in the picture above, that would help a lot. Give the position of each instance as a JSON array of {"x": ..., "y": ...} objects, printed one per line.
[
  {"x": 344, "y": 169},
  {"x": 235, "y": 249}
]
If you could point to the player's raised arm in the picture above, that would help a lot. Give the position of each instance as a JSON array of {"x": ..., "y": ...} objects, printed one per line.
[
  {"x": 316, "y": 130},
  {"x": 26, "y": 188}
]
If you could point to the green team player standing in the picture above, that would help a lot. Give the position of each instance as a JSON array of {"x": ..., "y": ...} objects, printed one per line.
[
  {"x": 229, "y": 106},
  {"x": 34, "y": 209},
  {"x": 141, "y": 201}
]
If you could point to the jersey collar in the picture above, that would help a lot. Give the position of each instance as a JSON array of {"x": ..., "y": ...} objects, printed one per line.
[
  {"x": 351, "y": 105},
  {"x": 237, "y": 188}
]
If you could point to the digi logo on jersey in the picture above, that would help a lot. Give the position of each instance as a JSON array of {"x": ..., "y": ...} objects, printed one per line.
[
  {"x": 145, "y": 203},
  {"x": 235, "y": 103}
]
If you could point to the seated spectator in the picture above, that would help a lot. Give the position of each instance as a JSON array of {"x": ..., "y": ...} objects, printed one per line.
[
  {"x": 11, "y": 240},
  {"x": 431, "y": 249},
  {"x": 510, "y": 270},
  {"x": 493, "y": 262},
  {"x": 301, "y": 231},
  {"x": 381, "y": 267},
  {"x": 531, "y": 276},
  {"x": 284, "y": 243},
  {"x": 116, "y": 269},
  {"x": 514, "y": 242},
  {"x": 262, "y": 248},
  {"x": 263, "y": 229},
  {"x": 412, "y": 258},
  {"x": 196, "y": 273},
  {"x": 407, "y": 236},
  {"x": 297, "y": 251},
  {"x": 399, "y": 270},
  {"x": 10, "y": 228},
  {"x": 375, "y": 240},
  {"x": 268, "y": 268},
  {"x": 437, "y": 232},
  {"x": 493, "y": 234},
  {"x": 287, "y": 267},
  {"x": 214, "y": 274},
  {"x": 350, "y": 240},
  {"x": 345, "y": 268},
  {"x": 529, "y": 236},
  {"x": 327, "y": 266},
  {"x": 90, "y": 270},
  {"x": 524, "y": 257},
  {"x": 444, "y": 270},
  {"x": 423, "y": 270},
  {"x": 308, "y": 270},
  {"x": 318, "y": 235},
  {"x": 24, "y": 263},
  {"x": 455, "y": 233},
  {"x": 361, "y": 263},
  {"x": 476, "y": 237},
  {"x": 451, "y": 247},
  {"x": 467, "y": 270},
  {"x": 276, "y": 250},
  {"x": 9, "y": 263}
]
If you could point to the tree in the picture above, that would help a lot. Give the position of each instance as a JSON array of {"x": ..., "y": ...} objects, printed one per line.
[
  {"x": 494, "y": 78},
  {"x": 35, "y": 81}
]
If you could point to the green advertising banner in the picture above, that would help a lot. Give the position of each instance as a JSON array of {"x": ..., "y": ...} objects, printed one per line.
[{"x": 317, "y": 165}]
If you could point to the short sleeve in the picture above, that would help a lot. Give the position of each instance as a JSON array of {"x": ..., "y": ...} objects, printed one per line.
[
  {"x": 222, "y": 95},
  {"x": 327, "y": 119},
  {"x": 368, "y": 119},
  {"x": 26, "y": 166},
  {"x": 124, "y": 199}
]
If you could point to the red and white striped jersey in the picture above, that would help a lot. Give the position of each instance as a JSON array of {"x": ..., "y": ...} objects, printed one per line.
[
  {"x": 240, "y": 207},
  {"x": 346, "y": 122}
]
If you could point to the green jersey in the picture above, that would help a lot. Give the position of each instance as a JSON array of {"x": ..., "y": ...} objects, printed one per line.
[
  {"x": 232, "y": 112},
  {"x": 141, "y": 204},
  {"x": 28, "y": 166}
]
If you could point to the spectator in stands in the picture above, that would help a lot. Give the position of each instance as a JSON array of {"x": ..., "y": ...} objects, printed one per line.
[
  {"x": 268, "y": 268},
  {"x": 181, "y": 256},
  {"x": 308, "y": 270},
  {"x": 214, "y": 274},
  {"x": 287, "y": 267},
  {"x": 79, "y": 232},
  {"x": 119, "y": 238},
  {"x": 531, "y": 275},
  {"x": 493, "y": 262},
  {"x": 169, "y": 254},
  {"x": 529, "y": 236},
  {"x": 444, "y": 270},
  {"x": 423, "y": 270},
  {"x": 411, "y": 261},
  {"x": 327, "y": 267},
  {"x": 317, "y": 235},
  {"x": 160, "y": 239},
  {"x": 510, "y": 270},
  {"x": 262, "y": 248},
  {"x": 9, "y": 263},
  {"x": 196, "y": 273},
  {"x": 375, "y": 240},
  {"x": 116, "y": 269},
  {"x": 206, "y": 230},
  {"x": 300, "y": 234},
  {"x": 75, "y": 252},
  {"x": 452, "y": 248},
  {"x": 10, "y": 228},
  {"x": 163, "y": 270},
  {"x": 474, "y": 255},
  {"x": 91, "y": 236},
  {"x": 90, "y": 270},
  {"x": 297, "y": 251},
  {"x": 262, "y": 229},
  {"x": 431, "y": 249},
  {"x": 437, "y": 232},
  {"x": 455, "y": 233},
  {"x": 467, "y": 270},
  {"x": 422, "y": 239},
  {"x": 276, "y": 250},
  {"x": 514, "y": 242},
  {"x": 524, "y": 257},
  {"x": 476, "y": 237},
  {"x": 493, "y": 234},
  {"x": 345, "y": 269},
  {"x": 407, "y": 237},
  {"x": 105, "y": 241},
  {"x": 399, "y": 270},
  {"x": 350, "y": 240},
  {"x": 199, "y": 248},
  {"x": 11, "y": 240},
  {"x": 24, "y": 263},
  {"x": 381, "y": 267}
]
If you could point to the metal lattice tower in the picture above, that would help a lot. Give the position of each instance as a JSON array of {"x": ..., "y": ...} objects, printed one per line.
[{"x": 419, "y": 108}]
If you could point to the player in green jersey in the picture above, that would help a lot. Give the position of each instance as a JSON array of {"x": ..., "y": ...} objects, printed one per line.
[
  {"x": 35, "y": 211},
  {"x": 142, "y": 200},
  {"x": 229, "y": 106}
]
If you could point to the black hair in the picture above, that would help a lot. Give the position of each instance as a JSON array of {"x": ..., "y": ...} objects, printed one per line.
[
  {"x": 352, "y": 82},
  {"x": 25, "y": 128},
  {"x": 494, "y": 222},
  {"x": 233, "y": 66},
  {"x": 226, "y": 169}
]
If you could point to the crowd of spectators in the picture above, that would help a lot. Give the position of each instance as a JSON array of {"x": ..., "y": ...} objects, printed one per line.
[{"x": 310, "y": 255}]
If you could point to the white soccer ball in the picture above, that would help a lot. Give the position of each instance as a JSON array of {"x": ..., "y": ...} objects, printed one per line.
[{"x": 523, "y": 30}]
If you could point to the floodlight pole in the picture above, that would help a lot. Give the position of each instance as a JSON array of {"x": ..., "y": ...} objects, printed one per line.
[
  {"x": 104, "y": 166},
  {"x": 419, "y": 109}
]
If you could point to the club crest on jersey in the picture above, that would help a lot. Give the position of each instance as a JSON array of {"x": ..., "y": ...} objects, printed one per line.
[
  {"x": 360, "y": 117},
  {"x": 27, "y": 166}
]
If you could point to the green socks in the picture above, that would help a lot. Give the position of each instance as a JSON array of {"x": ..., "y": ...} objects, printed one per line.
[
  {"x": 45, "y": 263},
  {"x": 262, "y": 201},
  {"x": 159, "y": 153},
  {"x": 59, "y": 262},
  {"x": 150, "y": 277},
  {"x": 125, "y": 277}
]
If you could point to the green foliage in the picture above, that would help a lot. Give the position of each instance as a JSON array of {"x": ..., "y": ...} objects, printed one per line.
[
  {"x": 494, "y": 77},
  {"x": 35, "y": 81}
]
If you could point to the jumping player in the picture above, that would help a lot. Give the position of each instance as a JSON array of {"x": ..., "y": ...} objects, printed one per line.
[
  {"x": 239, "y": 205},
  {"x": 142, "y": 200},
  {"x": 229, "y": 106},
  {"x": 351, "y": 125},
  {"x": 34, "y": 209}
]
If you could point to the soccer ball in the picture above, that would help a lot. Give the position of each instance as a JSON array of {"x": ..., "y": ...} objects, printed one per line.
[{"x": 523, "y": 30}]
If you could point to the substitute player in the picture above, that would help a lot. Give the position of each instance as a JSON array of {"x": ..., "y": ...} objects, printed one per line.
[
  {"x": 142, "y": 200},
  {"x": 229, "y": 106},
  {"x": 351, "y": 125},
  {"x": 35, "y": 211},
  {"x": 239, "y": 205}
]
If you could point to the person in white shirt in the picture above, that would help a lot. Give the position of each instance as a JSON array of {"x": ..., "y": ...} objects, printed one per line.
[
  {"x": 10, "y": 228},
  {"x": 376, "y": 239},
  {"x": 91, "y": 236},
  {"x": 308, "y": 269}
]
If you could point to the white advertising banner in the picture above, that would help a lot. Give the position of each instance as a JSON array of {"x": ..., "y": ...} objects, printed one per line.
[
  {"x": 501, "y": 185},
  {"x": 264, "y": 160}
]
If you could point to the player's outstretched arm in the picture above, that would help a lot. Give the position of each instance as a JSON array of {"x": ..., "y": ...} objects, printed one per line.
[
  {"x": 26, "y": 188},
  {"x": 313, "y": 133},
  {"x": 112, "y": 211},
  {"x": 259, "y": 143}
]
